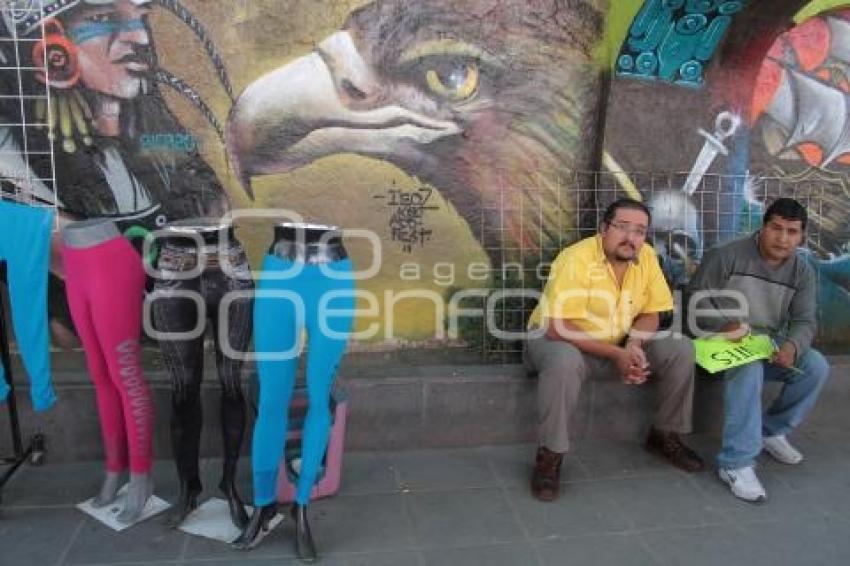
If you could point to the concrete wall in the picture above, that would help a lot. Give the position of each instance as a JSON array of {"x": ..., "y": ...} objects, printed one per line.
[{"x": 421, "y": 407}]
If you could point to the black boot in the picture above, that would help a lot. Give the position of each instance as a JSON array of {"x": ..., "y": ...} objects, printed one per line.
[
  {"x": 186, "y": 502},
  {"x": 258, "y": 527},
  {"x": 304, "y": 547},
  {"x": 237, "y": 509}
]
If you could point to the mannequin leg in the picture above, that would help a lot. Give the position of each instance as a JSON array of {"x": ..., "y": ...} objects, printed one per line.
[
  {"x": 277, "y": 328},
  {"x": 328, "y": 327},
  {"x": 238, "y": 334},
  {"x": 184, "y": 360},
  {"x": 278, "y": 321},
  {"x": 106, "y": 394},
  {"x": 116, "y": 299}
]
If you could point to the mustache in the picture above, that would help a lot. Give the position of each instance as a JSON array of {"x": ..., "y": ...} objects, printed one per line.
[{"x": 137, "y": 57}]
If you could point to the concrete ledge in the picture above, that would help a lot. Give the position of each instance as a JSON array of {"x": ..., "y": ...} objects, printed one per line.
[{"x": 400, "y": 408}]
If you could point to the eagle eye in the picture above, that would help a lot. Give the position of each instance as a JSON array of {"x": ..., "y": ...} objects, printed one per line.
[
  {"x": 452, "y": 79},
  {"x": 455, "y": 82}
]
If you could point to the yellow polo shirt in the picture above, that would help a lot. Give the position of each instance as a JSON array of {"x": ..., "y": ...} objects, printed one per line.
[{"x": 582, "y": 288}]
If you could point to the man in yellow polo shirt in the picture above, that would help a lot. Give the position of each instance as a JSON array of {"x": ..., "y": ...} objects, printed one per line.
[{"x": 599, "y": 314}]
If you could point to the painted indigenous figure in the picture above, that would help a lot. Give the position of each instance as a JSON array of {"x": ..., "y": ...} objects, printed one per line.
[{"x": 102, "y": 75}]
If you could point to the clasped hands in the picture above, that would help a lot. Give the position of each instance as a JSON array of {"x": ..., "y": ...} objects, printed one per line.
[{"x": 632, "y": 363}]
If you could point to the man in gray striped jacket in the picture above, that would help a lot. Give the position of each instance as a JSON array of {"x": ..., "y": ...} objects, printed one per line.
[{"x": 778, "y": 290}]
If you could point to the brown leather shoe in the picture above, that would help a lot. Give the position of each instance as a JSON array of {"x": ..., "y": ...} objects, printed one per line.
[
  {"x": 670, "y": 446},
  {"x": 546, "y": 481}
]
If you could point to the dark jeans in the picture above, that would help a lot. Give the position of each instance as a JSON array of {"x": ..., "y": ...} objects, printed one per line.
[{"x": 184, "y": 358}]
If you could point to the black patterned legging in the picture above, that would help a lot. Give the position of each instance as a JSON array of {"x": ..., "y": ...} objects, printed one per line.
[{"x": 183, "y": 358}]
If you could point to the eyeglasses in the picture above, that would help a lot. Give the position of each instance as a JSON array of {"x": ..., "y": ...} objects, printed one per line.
[{"x": 628, "y": 229}]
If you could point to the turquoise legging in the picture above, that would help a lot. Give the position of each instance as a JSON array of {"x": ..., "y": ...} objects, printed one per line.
[
  {"x": 277, "y": 330},
  {"x": 25, "y": 247}
]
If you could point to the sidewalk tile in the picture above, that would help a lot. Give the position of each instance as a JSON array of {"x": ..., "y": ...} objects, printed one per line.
[
  {"x": 518, "y": 554},
  {"x": 462, "y": 518},
  {"x": 666, "y": 501},
  {"x": 36, "y": 536},
  {"x": 424, "y": 470},
  {"x": 607, "y": 550},
  {"x": 582, "y": 509}
]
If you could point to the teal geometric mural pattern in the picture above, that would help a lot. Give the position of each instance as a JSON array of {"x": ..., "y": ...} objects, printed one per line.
[{"x": 673, "y": 40}]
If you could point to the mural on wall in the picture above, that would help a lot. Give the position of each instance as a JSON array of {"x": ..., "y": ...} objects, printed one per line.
[
  {"x": 492, "y": 103},
  {"x": 455, "y": 131},
  {"x": 673, "y": 40},
  {"x": 118, "y": 151},
  {"x": 789, "y": 135},
  {"x": 483, "y": 100},
  {"x": 485, "y": 106},
  {"x": 103, "y": 77},
  {"x": 678, "y": 234},
  {"x": 800, "y": 119},
  {"x": 802, "y": 90}
]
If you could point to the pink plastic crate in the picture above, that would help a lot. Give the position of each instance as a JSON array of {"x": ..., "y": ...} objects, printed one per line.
[{"x": 331, "y": 471}]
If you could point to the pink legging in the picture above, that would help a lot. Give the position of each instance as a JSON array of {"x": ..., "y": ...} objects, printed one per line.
[{"x": 105, "y": 286}]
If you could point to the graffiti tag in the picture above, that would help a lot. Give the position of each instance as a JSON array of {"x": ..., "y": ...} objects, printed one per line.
[
  {"x": 407, "y": 223},
  {"x": 168, "y": 142}
]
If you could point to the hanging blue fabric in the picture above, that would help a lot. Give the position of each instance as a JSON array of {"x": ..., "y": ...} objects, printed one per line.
[{"x": 25, "y": 247}]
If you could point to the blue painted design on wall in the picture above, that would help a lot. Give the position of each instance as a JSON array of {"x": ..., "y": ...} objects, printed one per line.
[
  {"x": 177, "y": 142},
  {"x": 672, "y": 40}
]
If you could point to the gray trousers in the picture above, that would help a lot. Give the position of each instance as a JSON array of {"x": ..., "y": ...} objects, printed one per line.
[{"x": 562, "y": 369}]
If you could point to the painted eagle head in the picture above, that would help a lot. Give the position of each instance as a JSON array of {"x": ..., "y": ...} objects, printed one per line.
[{"x": 492, "y": 102}]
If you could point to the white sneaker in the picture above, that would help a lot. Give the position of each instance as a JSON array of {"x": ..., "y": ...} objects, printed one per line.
[
  {"x": 781, "y": 449},
  {"x": 744, "y": 484}
]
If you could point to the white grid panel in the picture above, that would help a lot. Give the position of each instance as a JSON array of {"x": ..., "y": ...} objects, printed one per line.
[{"x": 18, "y": 180}]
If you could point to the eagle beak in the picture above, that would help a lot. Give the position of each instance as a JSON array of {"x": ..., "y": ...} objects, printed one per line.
[{"x": 324, "y": 103}]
